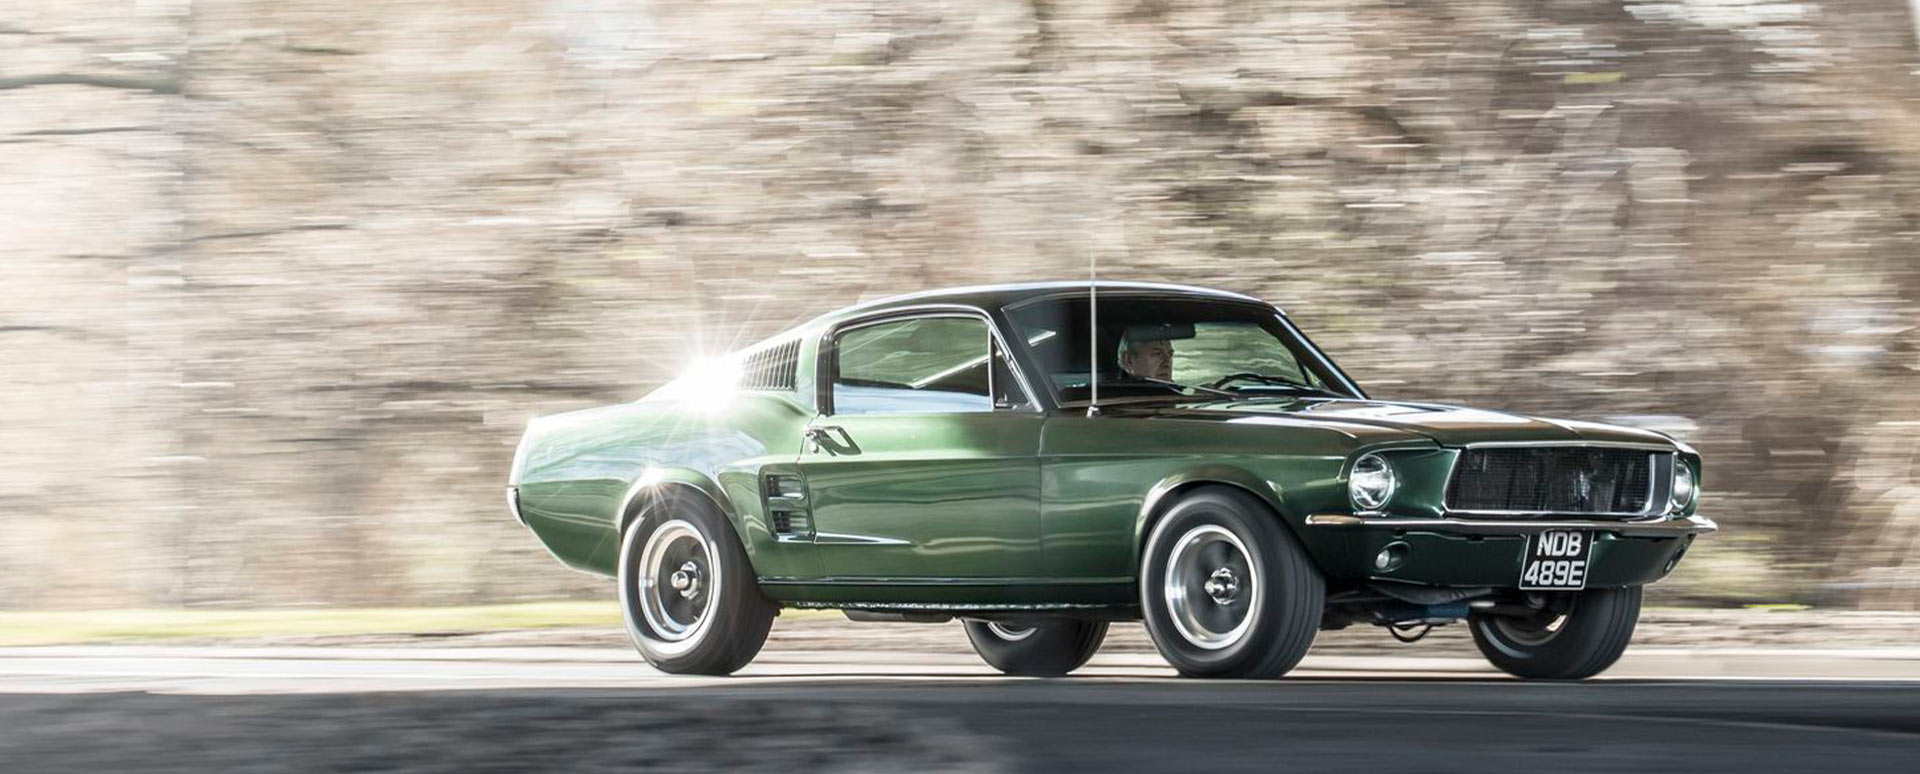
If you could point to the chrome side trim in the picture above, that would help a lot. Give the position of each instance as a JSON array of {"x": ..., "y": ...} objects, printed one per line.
[
  {"x": 1676, "y": 527},
  {"x": 834, "y": 538}
]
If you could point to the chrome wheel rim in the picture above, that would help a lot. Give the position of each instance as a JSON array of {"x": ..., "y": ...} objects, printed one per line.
[
  {"x": 1010, "y": 633},
  {"x": 1211, "y": 588},
  {"x": 677, "y": 585}
]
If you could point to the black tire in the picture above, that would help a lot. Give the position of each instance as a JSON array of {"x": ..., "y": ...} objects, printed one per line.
[
  {"x": 1273, "y": 610},
  {"x": 1048, "y": 649},
  {"x": 717, "y": 629},
  {"x": 1592, "y": 630}
]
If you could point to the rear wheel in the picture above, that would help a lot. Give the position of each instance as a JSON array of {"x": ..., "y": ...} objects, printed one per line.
[
  {"x": 688, "y": 593},
  {"x": 1226, "y": 590},
  {"x": 1038, "y": 649},
  {"x": 1574, "y": 635}
]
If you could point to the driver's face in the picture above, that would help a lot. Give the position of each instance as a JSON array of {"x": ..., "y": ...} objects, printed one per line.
[{"x": 1149, "y": 359}]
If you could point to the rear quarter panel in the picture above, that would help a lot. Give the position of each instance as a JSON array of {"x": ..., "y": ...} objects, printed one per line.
[{"x": 578, "y": 471}]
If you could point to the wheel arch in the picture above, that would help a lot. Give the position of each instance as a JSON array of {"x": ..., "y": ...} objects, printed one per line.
[
  {"x": 659, "y": 485},
  {"x": 1168, "y": 491}
]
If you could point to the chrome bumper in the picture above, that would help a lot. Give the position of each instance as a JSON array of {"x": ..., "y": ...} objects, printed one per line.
[
  {"x": 1669, "y": 527},
  {"x": 513, "y": 505}
]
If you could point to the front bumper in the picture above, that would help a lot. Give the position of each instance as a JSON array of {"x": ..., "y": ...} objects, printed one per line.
[
  {"x": 1490, "y": 553},
  {"x": 1666, "y": 527}
]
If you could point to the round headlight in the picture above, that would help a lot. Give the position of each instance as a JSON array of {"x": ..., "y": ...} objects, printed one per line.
[
  {"x": 1684, "y": 487},
  {"x": 1371, "y": 483}
]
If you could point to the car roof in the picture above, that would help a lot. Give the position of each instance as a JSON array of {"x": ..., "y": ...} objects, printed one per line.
[
  {"x": 998, "y": 296},
  {"x": 994, "y": 297}
]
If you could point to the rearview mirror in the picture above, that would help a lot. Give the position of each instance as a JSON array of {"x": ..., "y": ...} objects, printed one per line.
[{"x": 1159, "y": 332}]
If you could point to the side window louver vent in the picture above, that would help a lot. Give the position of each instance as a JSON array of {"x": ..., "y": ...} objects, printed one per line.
[{"x": 771, "y": 368}]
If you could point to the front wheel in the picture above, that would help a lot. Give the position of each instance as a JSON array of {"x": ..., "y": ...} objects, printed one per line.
[
  {"x": 1226, "y": 590},
  {"x": 689, "y": 596},
  {"x": 1574, "y": 635},
  {"x": 1048, "y": 649}
]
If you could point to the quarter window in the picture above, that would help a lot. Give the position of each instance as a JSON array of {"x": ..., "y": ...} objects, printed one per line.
[{"x": 918, "y": 366}]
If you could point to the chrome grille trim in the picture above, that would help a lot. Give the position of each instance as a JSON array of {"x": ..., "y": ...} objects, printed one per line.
[{"x": 1659, "y": 480}]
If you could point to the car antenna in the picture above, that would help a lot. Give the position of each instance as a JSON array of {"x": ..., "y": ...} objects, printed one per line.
[{"x": 1093, "y": 333}]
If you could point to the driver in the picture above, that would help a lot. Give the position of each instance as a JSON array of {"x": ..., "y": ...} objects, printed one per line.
[{"x": 1149, "y": 359}]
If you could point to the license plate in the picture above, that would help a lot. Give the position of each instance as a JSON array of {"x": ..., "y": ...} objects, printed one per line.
[{"x": 1556, "y": 560}]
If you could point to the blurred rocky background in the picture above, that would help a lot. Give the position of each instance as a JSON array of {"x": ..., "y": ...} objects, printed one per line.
[{"x": 284, "y": 278}]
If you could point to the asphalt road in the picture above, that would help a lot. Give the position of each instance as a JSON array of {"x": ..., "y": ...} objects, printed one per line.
[{"x": 502, "y": 709}]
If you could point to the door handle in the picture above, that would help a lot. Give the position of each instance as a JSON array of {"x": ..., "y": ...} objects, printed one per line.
[{"x": 818, "y": 436}]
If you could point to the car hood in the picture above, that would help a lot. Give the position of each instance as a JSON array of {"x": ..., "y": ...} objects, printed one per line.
[{"x": 1446, "y": 425}]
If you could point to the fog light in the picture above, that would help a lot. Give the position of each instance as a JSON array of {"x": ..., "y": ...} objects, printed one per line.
[{"x": 1391, "y": 557}]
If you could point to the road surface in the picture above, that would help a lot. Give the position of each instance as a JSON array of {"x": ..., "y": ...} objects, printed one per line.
[{"x": 192, "y": 709}]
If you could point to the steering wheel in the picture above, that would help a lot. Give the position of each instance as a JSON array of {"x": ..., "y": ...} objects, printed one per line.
[{"x": 1246, "y": 375}]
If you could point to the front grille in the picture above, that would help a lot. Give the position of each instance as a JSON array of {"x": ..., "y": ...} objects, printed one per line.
[{"x": 1552, "y": 479}]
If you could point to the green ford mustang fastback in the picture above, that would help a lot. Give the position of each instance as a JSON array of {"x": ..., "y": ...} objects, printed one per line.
[{"x": 1041, "y": 460}]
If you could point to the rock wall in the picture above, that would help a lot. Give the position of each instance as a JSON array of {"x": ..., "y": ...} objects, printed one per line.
[{"x": 285, "y": 277}]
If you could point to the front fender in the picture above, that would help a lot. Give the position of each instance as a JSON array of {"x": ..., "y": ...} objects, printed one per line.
[{"x": 1162, "y": 492}]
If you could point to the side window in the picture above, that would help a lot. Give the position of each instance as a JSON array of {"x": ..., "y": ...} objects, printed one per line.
[{"x": 918, "y": 365}]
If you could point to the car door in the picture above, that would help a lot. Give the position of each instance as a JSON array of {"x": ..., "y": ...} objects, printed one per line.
[{"x": 923, "y": 463}]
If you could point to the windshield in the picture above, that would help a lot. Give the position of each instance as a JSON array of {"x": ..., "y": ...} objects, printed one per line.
[{"x": 1159, "y": 347}]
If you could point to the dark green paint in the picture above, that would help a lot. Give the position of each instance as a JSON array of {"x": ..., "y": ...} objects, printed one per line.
[
  {"x": 939, "y": 495},
  {"x": 1044, "y": 507}
]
